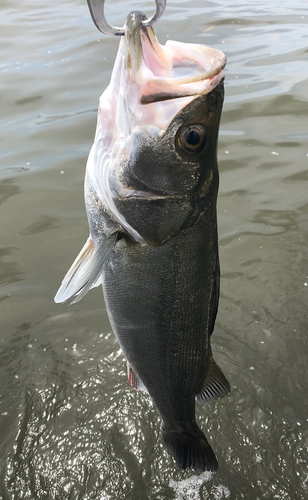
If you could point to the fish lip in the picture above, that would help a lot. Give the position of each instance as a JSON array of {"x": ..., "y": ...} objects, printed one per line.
[
  {"x": 217, "y": 76},
  {"x": 160, "y": 88},
  {"x": 217, "y": 68}
]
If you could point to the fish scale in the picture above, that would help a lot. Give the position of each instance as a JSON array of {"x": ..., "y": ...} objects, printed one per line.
[{"x": 151, "y": 192}]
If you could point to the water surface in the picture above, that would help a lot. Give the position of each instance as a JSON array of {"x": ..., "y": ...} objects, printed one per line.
[{"x": 71, "y": 427}]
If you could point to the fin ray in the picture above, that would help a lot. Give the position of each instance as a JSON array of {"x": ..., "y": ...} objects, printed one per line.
[
  {"x": 215, "y": 385},
  {"x": 86, "y": 270},
  {"x": 190, "y": 450},
  {"x": 135, "y": 380}
]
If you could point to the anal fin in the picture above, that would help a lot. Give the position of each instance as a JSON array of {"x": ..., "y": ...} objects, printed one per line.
[
  {"x": 134, "y": 380},
  {"x": 215, "y": 385},
  {"x": 85, "y": 272}
]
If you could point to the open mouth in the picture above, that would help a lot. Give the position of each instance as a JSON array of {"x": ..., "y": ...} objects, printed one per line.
[
  {"x": 151, "y": 83},
  {"x": 173, "y": 70}
]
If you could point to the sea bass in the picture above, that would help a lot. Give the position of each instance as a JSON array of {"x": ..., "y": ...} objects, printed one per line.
[{"x": 150, "y": 192}]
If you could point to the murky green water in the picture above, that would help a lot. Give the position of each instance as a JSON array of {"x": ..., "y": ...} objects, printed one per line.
[{"x": 71, "y": 427}]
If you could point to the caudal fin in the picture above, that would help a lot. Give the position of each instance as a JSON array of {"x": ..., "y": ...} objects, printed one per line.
[{"x": 190, "y": 450}]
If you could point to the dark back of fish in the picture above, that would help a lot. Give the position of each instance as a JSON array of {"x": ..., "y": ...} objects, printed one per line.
[{"x": 162, "y": 302}]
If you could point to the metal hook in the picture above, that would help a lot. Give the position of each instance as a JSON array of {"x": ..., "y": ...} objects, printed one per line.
[{"x": 97, "y": 12}]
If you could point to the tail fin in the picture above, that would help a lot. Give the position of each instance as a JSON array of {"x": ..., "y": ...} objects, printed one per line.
[{"x": 190, "y": 450}]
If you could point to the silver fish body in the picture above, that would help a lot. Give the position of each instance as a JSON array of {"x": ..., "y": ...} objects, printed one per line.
[{"x": 151, "y": 192}]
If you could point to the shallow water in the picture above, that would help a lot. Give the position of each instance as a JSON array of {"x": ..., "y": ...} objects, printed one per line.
[{"x": 71, "y": 427}]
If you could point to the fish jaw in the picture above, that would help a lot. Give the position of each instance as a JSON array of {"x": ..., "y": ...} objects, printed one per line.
[
  {"x": 171, "y": 71},
  {"x": 146, "y": 74}
]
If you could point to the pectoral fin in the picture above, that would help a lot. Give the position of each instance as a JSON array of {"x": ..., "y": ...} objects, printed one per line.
[
  {"x": 215, "y": 385},
  {"x": 85, "y": 272}
]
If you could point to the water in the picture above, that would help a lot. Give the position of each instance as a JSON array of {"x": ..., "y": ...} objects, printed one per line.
[{"x": 71, "y": 427}]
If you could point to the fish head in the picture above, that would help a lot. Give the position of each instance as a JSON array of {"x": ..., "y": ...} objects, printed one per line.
[{"x": 157, "y": 130}]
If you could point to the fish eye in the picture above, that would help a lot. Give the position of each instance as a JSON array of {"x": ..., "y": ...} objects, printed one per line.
[{"x": 192, "y": 138}]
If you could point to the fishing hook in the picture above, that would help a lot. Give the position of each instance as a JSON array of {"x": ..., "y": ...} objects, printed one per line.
[{"x": 97, "y": 12}]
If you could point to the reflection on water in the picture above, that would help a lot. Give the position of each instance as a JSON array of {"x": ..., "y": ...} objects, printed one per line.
[
  {"x": 70, "y": 425},
  {"x": 8, "y": 189},
  {"x": 43, "y": 223},
  {"x": 9, "y": 271}
]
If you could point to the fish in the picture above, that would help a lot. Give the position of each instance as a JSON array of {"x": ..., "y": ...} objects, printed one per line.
[{"x": 151, "y": 188}]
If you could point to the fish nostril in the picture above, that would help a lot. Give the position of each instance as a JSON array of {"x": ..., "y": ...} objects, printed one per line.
[{"x": 212, "y": 103}]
